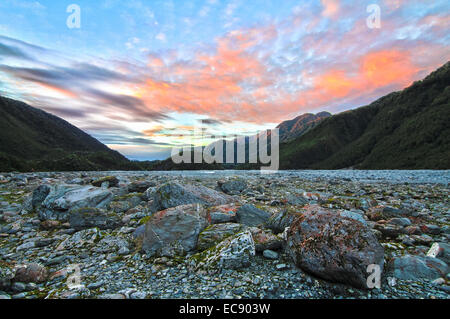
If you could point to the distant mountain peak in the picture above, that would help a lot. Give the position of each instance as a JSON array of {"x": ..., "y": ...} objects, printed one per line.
[{"x": 298, "y": 126}]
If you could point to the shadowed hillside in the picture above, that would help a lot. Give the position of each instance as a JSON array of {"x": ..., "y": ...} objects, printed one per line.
[
  {"x": 32, "y": 139},
  {"x": 403, "y": 130}
]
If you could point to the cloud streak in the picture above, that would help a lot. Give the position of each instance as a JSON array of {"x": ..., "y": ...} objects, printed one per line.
[{"x": 318, "y": 56}]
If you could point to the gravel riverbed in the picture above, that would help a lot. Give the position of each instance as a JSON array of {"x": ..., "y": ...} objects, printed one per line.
[{"x": 85, "y": 234}]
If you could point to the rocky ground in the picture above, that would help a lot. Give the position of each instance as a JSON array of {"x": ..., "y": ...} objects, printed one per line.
[{"x": 295, "y": 234}]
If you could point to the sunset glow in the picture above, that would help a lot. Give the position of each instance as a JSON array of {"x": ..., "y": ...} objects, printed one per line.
[{"x": 139, "y": 75}]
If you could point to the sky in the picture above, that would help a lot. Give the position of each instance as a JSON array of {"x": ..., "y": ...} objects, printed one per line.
[{"x": 142, "y": 76}]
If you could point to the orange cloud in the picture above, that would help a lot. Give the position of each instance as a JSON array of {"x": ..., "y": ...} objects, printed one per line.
[
  {"x": 213, "y": 84},
  {"x": 334, "y": 83},
  {"x": 330, "y": 8},
  {"x": 374, "y": 71},
  {"x": 387, "y": 67},
  {"x": 58, "y": 90}
]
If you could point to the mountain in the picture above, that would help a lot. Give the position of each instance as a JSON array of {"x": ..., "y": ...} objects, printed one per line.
[
  {"x": 300, "y": 125},
  {"x": 31, "y": 139},
  {"x": 403, "y": 130}
]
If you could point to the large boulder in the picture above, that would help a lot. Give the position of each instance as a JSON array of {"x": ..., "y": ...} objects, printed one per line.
[
  {"x": 179, "y": 226},
  {"x": 88, "y": 217},
  {"x": 251, "y": 216},
  {"x": 333, "y": 247},
  {"x": 61, "y": 199},
  {"x": 234, "y": 252},
  {"x": 417, "y": 267},
  {"x": 214, "y": 234},
  {"x": 35, "y": 273},
  {"x": 174, "y": 194}
]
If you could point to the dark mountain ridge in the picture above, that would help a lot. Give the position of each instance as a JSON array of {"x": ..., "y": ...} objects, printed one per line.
[
  {"x": 32, "y": 139},
  {"x": 403, "y": 130}
]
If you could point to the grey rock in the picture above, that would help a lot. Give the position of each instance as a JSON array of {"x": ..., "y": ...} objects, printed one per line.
[
  {"x": 111, "y": 181},
  {"x": 7, "y": 273},
  {"x": 441, "y": 251},
  {"x": 140, "y": 186},
  {"x": 63, "y": 198},
  {"x": 270, "y": 254},
  {"x": 174, "y": 194},
  {"x": 265, "y": 240},
  {"x": 417, "y": 267},
  {"x": 86, "y": 217},
  {"x": 353, "y": 215},
  {"x": 214, "y": 234},
  {"x": 180, "y": 224},
  {"x": 278, "y": 222},
  {"x": 18, "y": 287},
  {"x": 404, "y": 222},
  {"x": 39, "y": 195},
  {"x": 233, "y": 186},
  {"x": 235, "y": 252},
  {"x": 251, "y": 216}
]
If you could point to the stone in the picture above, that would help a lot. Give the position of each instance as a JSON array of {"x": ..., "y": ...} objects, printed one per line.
[
  {"x": 403, "y": 222},
  {"x": 386, "y": 212},
  {"x": 416, "y": 267},
  {"x": 299, "y": 200},
  {"x": 125, "y": 203},
  {"x": 214, "y": 234},
  {"x": 174, "y": 194},
  {"x": 181, "y": 224},
  {"x": 431, "y": 229},
  {"x": 265, "y": 240},
  {"x": 332, "y": 247},
  {"x": 233, "y": 186},
  {"x": 251, "y": 216},
  {"x": 111, "y": 180},
  {"x": 140, "y": 186},
  {"x": 270, "y": 254},
  {"x": 87, "y": 217},
  {"x": 235, "y": 252},
  {"x": 389, "y": 230},
  {"x": 223, "y": 214},
  {"x": 111, "y": 244},
  {"x": 63, "y": 198},
  {"x": 39, "y": 195},
  {"x": 353, "y": 215},
  {"x": 31, "y": 273},
  {"x": 7, "y": 273},
  {"x": 18, "y": 287},
  {"x": 441, "y": 251},
  {"x": 81, "y": 239},
  {"x": 280, "y": 221},
  {"x": 281, "y": 266}
]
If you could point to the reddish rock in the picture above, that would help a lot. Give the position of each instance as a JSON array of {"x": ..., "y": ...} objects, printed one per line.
[
  {"x": 31, "y": 273},
  {"x": 333, "y": 247}
]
